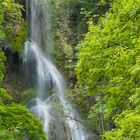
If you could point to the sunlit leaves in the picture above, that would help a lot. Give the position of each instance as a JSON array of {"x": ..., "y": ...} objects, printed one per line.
[
  {"x": 109, "y": 65},
  {"x": 128, "y": 127},
  {"x": 4, "y": 96},
  {"x": 16, "y": 120}
]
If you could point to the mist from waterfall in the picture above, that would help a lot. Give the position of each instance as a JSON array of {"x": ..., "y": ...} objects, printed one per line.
[{"x": 50, "y": 105}]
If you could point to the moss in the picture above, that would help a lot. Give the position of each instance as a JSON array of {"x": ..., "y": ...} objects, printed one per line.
[
  {"x": 17, "y": 38},
  {"x": 14, "y": 25}
]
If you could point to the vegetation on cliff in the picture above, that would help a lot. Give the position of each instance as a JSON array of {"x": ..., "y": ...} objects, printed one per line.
[
  {"x": 108, "y": 71},
  {"x": 16, "y": 122},
  {"x": 13, "y": 24}
]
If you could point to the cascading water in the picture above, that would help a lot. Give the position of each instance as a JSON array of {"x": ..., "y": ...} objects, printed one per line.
[{"x": 50, "y": 84}]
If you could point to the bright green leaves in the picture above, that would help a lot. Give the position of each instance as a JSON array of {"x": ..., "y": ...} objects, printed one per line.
[
  {"x": 109, "y": 66},
  {"x": 91, "y": 67},
  {"x": 128, "y": 127},
  {"x": 16, "y": 120},
  {"x": 4, "y": 96},
  {"x": 6, "y": 134}
]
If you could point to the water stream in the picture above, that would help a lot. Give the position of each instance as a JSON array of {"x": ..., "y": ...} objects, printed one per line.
[{"x": 50, "y": 105}]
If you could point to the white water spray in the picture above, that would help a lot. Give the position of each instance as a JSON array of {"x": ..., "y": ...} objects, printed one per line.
[{"x": 48, "y": 77}]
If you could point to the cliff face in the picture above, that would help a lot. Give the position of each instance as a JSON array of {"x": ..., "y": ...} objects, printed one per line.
[{"x": 13, "y": 80}]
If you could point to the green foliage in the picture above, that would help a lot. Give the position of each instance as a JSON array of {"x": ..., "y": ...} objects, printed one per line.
[
  {"x": 128, "y": 122},
  {"x": 109, "y": 67},
  {"x": 6, "y": 134},
  {"x": 1, "y": 20},
  {"x": 17, "y": 120},
  {"x": 14, "y": 24},
  {"x": 2, "y": 60},
  {"x": 69, "y": 21},
  {"x": 4, "y": 96},
  {"x": 128, "y": 127}
]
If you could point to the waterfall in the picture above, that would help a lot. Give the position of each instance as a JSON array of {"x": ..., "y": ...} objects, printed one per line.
[{"x": 50, "y": 105}]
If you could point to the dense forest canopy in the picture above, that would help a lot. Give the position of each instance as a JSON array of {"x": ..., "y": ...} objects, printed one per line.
[
  {"x": 108, "y": 68},
  {"x": 97, "y": 46}
]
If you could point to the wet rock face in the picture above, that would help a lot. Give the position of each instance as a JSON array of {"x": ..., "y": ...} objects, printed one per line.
[
  {"x": 12, "y": 80},
  {"x": 61, "y": 135}
]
